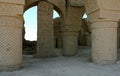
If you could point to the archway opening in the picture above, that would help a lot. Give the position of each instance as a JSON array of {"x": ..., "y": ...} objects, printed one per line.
[
  {"x": 85, "y": 32},
  {"x": 30, "y": 25},
  {"x": 84, "y": 16},
  {"x": 55, "y": 14},
  {"x": 30, "y": 35},
  {"x": 57, "y": 22},
  {"x": 30, "y": 28}
]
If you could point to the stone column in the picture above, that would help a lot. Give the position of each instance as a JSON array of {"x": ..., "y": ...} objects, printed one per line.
[
  {"x": 45, "y": 40},
  {"x": 104, "y": 29},
  {"x": 104, "y": 42},
  {"x": 70, "y": 43},
  {"x": 70, "y": 34},
  {"x": 11, "y": 25}
]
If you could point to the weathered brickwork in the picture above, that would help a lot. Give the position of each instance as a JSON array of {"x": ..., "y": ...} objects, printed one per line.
[{"x": 45, "y": 44}]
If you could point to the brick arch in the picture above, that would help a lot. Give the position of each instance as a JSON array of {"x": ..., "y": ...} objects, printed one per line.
[
  {"x": 62, "y": 17},
  {"x": 59, "y": 6},
  {"x": 30, "y": 3}
]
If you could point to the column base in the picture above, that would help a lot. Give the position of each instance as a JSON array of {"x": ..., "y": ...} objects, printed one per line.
[
  {"x": 69, "y": 54},
  {"x": 104, "y": 62},
  {"x": 70, "y": 43},
  {"x": 10, "y": 67},
  {"x": 46, "y": 54}
]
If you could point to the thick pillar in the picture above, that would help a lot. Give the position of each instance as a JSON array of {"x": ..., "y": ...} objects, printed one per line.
[
  {"x": 70, "y": 43},
  {"x": 45, "y": 43},
  {"x": 11, "y": 26},
  {"x": 70, "y": 34},
  {"x": 104, "y": 42},
  {"x": 104, "y": 29}
]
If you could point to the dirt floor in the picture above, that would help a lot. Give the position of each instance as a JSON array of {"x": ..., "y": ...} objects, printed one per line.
[{"x": 79, "y": 65}]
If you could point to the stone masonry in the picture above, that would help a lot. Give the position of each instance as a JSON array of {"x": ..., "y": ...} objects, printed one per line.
[
  {"x": 11, "y": 25},
  {"x": 103, "y": 16}
]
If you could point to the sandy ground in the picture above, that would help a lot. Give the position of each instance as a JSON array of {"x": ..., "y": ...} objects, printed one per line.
[{"x": 79, "y": 65}]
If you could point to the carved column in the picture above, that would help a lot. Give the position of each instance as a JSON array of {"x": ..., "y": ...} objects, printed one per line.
[
  {"x": 11, "y": 25},
  {"x": 45, "y": 43},
  {"x": 104, "y": 16},
  {"x": 70, "y": 34}
]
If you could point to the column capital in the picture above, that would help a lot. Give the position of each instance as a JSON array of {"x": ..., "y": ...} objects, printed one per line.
[
  {"x": 104, "y": 24},
  {"x": 11, "y": 9},
  {"x": 102, "y": 9},
  {"x": 104, "y": 20}
]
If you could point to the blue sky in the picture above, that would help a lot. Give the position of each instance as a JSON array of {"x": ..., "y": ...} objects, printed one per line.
[{"x": 30, "y": 17}]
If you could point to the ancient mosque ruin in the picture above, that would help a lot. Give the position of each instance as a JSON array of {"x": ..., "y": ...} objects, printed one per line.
[{"x": 99, "y": 30}]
